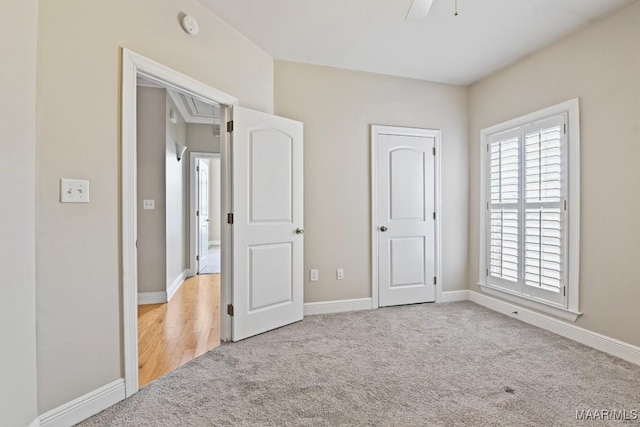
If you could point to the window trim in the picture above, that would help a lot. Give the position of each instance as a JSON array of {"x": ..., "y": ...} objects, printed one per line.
[{"x": 570, "y": 311}]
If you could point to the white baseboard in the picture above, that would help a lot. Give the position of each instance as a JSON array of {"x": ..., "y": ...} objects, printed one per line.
[
  {"x": 214, "y": 242},
  {"x": 454, "y": 296},
  {"x": 152, "y": 298},
  {"x": 173, "y": 288},
  {"x": 85, "y": 406},
  {"x": 35, "y": 423},
  {"x": 621, "y": 349},
  {"x": 325, "y": 307}
]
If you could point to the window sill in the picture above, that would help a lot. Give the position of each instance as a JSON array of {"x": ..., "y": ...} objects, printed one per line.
[{"x": 560, "y": 312}]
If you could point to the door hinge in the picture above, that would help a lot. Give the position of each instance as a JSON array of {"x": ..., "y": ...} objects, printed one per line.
[
  {"x": 434, "y": 216},
  {"x": 229, "y": 218},
  {"x": 197, "y": 168},
  {"x": 565, "y": 205},
  {"x": 565, "y": 128},
  {"x": 435, "y": 280},
  {"x": 487, "y": 148},
  {"x": 230, "y": 126},
  {"x": 434, "y": 151},
  {"x": 230, "y": 309},
  {"x": 564, "y": 291},
  {"x": 487, "y": 272},
  {"x": 197, "y": 257},
  {"x": 197, "y": 213}
]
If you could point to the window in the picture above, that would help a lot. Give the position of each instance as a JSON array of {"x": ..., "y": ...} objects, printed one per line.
[{"x": 530, "y": 219}]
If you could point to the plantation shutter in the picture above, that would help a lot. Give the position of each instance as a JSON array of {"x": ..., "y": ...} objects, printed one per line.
[
  {"x": 545, "y": 182},
  {"x": 526, "y": 222},
  {"x": 504, "y": 190}
]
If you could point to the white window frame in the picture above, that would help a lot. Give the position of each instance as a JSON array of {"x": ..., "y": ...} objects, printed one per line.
[{"x": 569, "y": 310}]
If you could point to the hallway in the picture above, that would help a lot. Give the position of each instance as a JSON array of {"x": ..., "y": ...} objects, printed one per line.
[
  {"x": 172, "y": 334},
  {"x": 213, "y": 261}
]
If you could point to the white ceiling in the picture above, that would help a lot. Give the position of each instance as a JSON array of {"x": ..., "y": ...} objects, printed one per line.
[
  {"x": 371, "y": 35},
  {"x": 191, "y": 109}
]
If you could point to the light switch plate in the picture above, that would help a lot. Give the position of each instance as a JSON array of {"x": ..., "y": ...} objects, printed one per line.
[
  {"x": 313, "y": 275},
  {"x": 74, "y": 191},
  {"x": 148, "y": 204}
]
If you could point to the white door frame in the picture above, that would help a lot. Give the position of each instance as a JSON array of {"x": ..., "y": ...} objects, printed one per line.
[
  {"x": 134, "y": 66},
  {"x": 395, "y": 130},
  {"x": 193, "y": 206}
]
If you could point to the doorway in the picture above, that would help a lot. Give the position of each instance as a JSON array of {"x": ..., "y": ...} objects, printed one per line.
[
  {"x": 134, "y": 67},
  {"x": 262, "y": 199},
  {"x": 405, "y": 215},
  {"x": 178, "y": 292},
  {"x": 205, "y": 213}
]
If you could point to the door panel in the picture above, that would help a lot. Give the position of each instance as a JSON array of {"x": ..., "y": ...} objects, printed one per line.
[
  {"x": 270, "y": 189},
  {"x": 406, "y": 184},
  {"x": 268, "y": 208},
  {"x": 270, "y": 281},
  {"x": 203, "y": 214},
  {"x": 406, "y": 205},
  {"x": 407, "y": 262}
]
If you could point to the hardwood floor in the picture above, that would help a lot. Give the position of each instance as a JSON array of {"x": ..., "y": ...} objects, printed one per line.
[{"x": 170, "y": 335}]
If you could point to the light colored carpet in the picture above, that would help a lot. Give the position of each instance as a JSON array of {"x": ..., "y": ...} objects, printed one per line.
[{"x": 454, "y": 364}]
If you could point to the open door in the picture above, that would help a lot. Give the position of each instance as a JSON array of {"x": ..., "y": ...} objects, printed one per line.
[
  {"x": 203, "y": 214},
  {"x": 267, "y": 222}
]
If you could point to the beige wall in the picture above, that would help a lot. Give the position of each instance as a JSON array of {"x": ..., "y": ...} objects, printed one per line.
[
  {"x": 337, "y": 107},
  {"x": 176, "y": 188},
  {"x": 601, "y": 66},
  {"x": 151, "y": 152},
  {"x": 78, "y": 263},
  {"x": 162, "y": 232},
  {"x": 201, "y": 139},
  {"x": 18, "y": 28}
]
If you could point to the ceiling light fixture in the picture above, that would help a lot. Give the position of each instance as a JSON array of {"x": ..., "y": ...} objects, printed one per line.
[
  {"x": 418, "y": 9},
  {"x": 180, "y": 149}
]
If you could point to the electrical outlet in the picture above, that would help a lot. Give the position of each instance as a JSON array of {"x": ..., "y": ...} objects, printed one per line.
[
  {"x": 74, "y": 191},
  {"x": 340, "y": 274},
  {"x": 148, "y": 204},
  {"x": 313, "y": 275}
]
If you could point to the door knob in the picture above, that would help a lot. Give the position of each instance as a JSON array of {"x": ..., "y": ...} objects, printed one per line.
[
  {"x": 299, "y": 230},
  {"x": 383, "y": 228}
]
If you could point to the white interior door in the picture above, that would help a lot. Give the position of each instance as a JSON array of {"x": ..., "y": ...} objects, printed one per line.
[
  {"x": 268, "y": 222},
  {"x": 203, "y": 213},
  {"x": 405, "y": 229}
]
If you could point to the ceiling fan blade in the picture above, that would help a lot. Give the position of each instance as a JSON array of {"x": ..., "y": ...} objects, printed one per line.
[{"x": 418, "y": 9}]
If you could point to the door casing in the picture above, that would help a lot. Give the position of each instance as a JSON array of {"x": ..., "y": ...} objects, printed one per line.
[
  {"x": 133, "y": 66},
  {"x": 193, "y": 206},
  {"x": 377, "y": 130}
]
